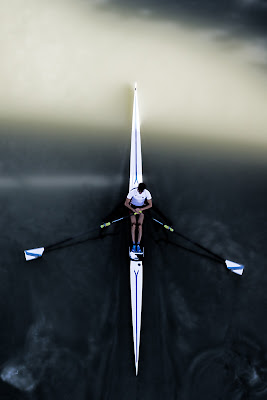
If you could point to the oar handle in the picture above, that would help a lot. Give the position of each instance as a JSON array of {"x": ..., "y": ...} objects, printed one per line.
[
  {"x": 105, "y": 225},
  {"x": 169, "y": 228}
]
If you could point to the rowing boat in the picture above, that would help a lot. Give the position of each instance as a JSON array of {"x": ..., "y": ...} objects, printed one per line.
[{"x": 136, "y": 265}]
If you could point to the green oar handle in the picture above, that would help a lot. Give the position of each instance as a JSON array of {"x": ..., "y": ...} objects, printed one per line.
[
  {"x": 169, "y": 228},
  {"x": 105, "y": 225}
]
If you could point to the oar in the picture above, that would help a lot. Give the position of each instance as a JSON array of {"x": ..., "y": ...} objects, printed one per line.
[
  {"x": 32, "y": 254},
  {"x": 232, "y": 266}
]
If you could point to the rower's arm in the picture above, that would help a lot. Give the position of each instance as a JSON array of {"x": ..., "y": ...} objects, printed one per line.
[
  {"x": 128, "y": 204},
  {"x": 148, "y": 206}
]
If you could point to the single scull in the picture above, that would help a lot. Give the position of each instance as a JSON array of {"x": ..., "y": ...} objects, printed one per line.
[{"x": 136, "y": 265}]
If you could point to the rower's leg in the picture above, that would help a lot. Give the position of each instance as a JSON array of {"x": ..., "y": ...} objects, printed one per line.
[
  {"x": 140, "y": 227},
  {"x": 133, "y": 226}
]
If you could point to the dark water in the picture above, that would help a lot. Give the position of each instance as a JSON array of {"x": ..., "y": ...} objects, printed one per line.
[
  {"x": 66, "y": 318},
  {"x": 242, "y": 16}
]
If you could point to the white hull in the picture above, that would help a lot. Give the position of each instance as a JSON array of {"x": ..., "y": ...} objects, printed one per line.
[
  {"x": 136, "y": 266},
  {"x": 136, "y": 280},
  {"x": 136, "y": 175}
]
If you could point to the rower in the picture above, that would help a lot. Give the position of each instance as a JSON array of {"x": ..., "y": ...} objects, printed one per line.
[{"x": 138, "y": 200}]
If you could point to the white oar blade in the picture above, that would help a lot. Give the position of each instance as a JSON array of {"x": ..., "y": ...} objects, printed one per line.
[
  {"x": 32, "y": 254},
  {"x": 234, "y": 267}
]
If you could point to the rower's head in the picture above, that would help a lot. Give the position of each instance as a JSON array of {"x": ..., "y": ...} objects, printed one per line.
[{"x": 141, "y": 187}]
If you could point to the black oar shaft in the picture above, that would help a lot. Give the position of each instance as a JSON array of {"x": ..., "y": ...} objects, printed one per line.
[
  {"x": 200, "y": 246},
  {"x": 70, "y": 238},
  {"x": 104, "y": 225},
  {"x": 169, "y": 228}
]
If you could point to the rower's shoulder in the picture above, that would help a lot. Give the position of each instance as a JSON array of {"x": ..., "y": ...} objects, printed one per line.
[{"x": 131, "y": 192}]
